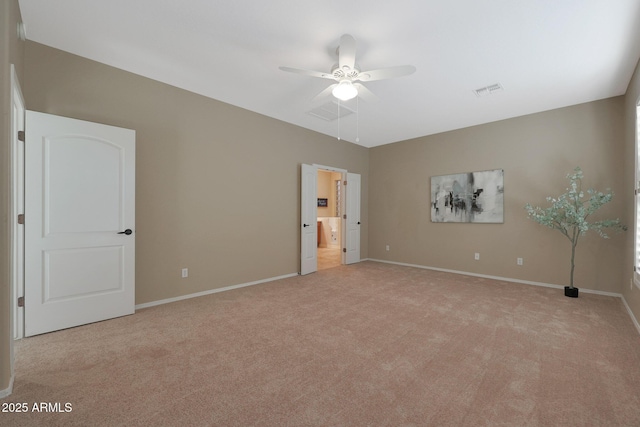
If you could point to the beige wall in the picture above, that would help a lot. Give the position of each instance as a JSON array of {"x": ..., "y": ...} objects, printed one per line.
[
  {"x": 536, "y": 152},
  {"x": 11, "y": 52},
  {"x": 218, "y": 187},
  {"x": 631, "y": 293}
]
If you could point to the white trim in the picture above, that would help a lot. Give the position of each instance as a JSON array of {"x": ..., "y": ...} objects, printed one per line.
[
  {"x": 286, "y": 276},
  {"x": 7, "y": 392},
  {"x": 633, "y": 318},
  {"x": 636, "y": 273},
  {"x": 212, "y": 291},
  {"x": 525, "y": 282},
  {"x": 16, "y": 206},
  {"x": 506, "y": 279},
  {"x": 329, "y": 168}
]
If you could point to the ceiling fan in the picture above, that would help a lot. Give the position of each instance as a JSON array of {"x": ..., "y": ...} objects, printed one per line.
[{"x": 347, "y": 75}]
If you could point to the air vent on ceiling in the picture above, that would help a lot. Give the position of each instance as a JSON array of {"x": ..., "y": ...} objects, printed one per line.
[
  {"x": 331, "y": 111},
  {"x": 488, "y": 90}
]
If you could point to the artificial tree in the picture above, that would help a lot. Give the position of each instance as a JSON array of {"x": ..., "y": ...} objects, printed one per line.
[{"x": 569, "y": 214}]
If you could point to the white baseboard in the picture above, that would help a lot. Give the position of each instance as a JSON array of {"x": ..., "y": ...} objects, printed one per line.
[
  {"x": 506, "y": 279},
  {"x": 633, "y": 318},
  {"x": 526, "y": 282},
  {"x": 6, "y": 392},
  {"x": 212, "y": 291}
]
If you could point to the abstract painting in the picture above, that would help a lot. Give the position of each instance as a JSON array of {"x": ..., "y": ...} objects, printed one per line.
[{"x": 468, "y": 197}]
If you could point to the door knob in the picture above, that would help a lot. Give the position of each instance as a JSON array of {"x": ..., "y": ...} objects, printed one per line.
[
  {"x": 358, "y": 222},
  {"x": 305, "y": 225},
  {"x": 127, "y": 231}
]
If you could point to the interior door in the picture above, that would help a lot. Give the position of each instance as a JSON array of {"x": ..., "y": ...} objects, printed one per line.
[
  {"x": 308, "y": 220},
  {"x": 79, "y": 222},
  {"x": 353, "y": 218}
]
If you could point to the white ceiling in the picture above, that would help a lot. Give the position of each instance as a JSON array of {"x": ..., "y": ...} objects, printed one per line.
[{"x": 545, "y": 53}]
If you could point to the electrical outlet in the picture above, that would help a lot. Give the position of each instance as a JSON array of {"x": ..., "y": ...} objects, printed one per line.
[
  {"x": 519, "y": 261},
  {"x": 477, "y": 256},
  {"x": 185, "y": 273},
  {"x": 387, "y": 247}
]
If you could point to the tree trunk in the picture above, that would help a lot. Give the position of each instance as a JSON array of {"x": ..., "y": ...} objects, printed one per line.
[{"x": 573, "y": 263}]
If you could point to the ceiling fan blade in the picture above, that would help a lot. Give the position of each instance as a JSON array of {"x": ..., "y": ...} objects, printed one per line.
[
  {"x": 386, "y": 73},
  {"x": 364, "y": 93},
  {"x": 325, "y": 93},
  {"x": 347, "y": 52},
  {"x": 308, "y": 72}
]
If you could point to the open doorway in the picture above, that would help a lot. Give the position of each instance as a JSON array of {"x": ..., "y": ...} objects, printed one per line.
[
  {"x": 349, "y": 229},
  {"x": 329, "y": 220}
]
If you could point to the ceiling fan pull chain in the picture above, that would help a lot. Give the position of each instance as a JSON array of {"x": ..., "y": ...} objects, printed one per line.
[
  {"x": 357, "y": 119},
  {"x": 338, "y": 120}
]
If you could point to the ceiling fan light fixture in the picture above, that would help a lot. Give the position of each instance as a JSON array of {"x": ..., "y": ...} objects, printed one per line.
[{"x": 345, "y": 91}]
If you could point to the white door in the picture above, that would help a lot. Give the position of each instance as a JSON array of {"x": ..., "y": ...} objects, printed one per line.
[
  {"x": 353, "y": 218},
  {"x": 309, "y": 220},
  {"x": 79, "y": 222}
]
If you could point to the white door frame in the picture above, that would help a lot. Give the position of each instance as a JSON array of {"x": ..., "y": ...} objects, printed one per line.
[
  {"x": 348, "y": 255},
  {"x": 16, "y": 232},
  {"x": 16, "y": 154},
  {"x": 343, "y": 242}
]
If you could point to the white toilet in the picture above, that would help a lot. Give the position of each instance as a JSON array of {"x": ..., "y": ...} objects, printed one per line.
[{"x": 334, "y": 224}]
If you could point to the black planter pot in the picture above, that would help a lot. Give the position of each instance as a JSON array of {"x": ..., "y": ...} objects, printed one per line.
[{"x": 571, "y": 293}]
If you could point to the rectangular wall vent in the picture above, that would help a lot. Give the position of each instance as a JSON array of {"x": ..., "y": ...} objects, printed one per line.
[
  {"x": 331, "y": 111},
  {"x": 488, "y": 90}
]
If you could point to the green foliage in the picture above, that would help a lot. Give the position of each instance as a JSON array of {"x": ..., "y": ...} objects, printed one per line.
[{"x": 569, "y": 212}]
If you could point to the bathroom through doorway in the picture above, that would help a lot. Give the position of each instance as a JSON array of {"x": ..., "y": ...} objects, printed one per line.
[{"x": 329, "y": 220}]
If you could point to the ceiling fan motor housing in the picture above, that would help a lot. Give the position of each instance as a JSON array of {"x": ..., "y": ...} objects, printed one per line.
[{"x": 345, "y": 72}]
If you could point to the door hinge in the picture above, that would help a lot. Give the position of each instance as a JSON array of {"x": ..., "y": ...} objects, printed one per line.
[
  {"x": 345, "y": 183},
  {"x": 20, "y": 301},
  {"x": 21, "y": 219},
  {"x": 344, "y": 250},
  {"x": 21, "y": 135},
  {"x": 344, "y": 216}
]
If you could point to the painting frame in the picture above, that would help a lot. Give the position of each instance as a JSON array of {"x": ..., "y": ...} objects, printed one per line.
[{"x": 469, "y": 197}]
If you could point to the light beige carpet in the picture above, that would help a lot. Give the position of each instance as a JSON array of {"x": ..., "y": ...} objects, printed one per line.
[{"x": 369, "y": 344}]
